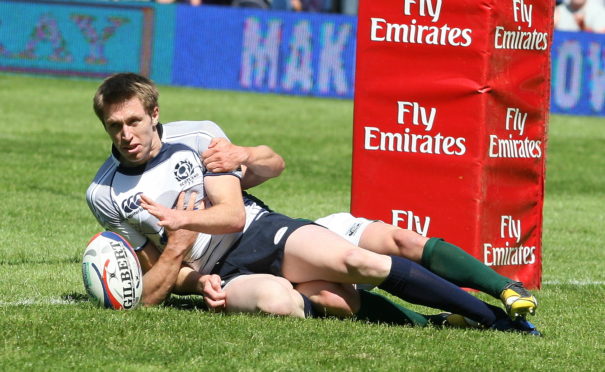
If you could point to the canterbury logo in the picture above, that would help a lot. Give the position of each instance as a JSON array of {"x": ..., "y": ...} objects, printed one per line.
[{"x": 131, "y": 204}]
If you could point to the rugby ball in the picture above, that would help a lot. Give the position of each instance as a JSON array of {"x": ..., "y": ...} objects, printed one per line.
[{"x": 111, "y": 272}]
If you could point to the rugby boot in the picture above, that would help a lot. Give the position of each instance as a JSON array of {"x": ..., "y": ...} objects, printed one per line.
[
  {"x": 518, "y": 301},
  {"x": 519, "y": 325}
]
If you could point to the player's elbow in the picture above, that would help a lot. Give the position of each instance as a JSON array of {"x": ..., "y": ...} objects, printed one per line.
[
  {"x": 281, "y": 165},
  {"x": 278, "y": 163}
]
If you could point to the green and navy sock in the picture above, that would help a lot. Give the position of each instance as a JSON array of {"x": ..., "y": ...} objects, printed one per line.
[{"x": 460, "y": 268}]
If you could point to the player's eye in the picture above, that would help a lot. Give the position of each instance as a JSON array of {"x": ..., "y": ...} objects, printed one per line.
[{"x": 114, "y": 127}]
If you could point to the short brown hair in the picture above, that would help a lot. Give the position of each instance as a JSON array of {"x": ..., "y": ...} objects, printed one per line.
[{"x": 123, "y": 86}]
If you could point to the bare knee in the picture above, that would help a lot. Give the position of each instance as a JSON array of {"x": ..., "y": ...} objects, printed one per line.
[
  {"x": 408, "y": 243},
  {"x": 275, "y": 299},
  {"x": 365, "y": 266}
]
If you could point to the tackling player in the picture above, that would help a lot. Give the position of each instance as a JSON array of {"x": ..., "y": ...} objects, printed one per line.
[{"x": 442, "y": 258}]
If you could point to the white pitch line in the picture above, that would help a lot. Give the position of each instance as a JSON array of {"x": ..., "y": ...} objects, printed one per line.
[
  {"x": 34, "y": 301},
  {"x": 574, "y": 282}
]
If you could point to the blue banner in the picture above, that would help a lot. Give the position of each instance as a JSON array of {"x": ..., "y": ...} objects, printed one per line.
[
  {"x": 265, "y": 51},
  {"x": 78, "y": 39},
  {"x": 236, "y": 49},
  {"x": 578, "y": 74}
]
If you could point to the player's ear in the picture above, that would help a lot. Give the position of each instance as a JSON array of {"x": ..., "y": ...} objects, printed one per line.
[{"x": 155, "y": 116}]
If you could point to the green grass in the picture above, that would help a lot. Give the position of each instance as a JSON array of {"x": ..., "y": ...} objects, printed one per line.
[{"x": 51, "y": 145}]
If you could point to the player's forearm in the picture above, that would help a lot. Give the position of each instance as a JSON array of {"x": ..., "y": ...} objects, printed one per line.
[
  {"x": 263, "y": 161},
  {"x": 218, "y": 219},
  {"x": 160, "y": 280},
  {"x": 187, "y": 282},
  {"x": 262, "y": 164}
]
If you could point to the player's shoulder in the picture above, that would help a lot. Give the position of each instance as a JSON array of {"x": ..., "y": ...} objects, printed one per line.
[
  {"x": 196, "y": 134},
  {"x": 172, "y": 152},
  {"x": 98, "y": 194},
  {"x": 105, "y": 172},
  {"x": 178, "y": 129}
]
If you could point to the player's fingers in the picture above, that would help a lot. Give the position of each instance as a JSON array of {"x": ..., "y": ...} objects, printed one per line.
[
  {"x": 180, "y": 201},
  {"x": 191, "y": 202},
  {"x": 214, "y": 305},
  {"x": 215, "y": 166},
  {"x": 208, "y": 154},
  {"x": 215, "y": 280},
  {"x": 149, "y": 208},
  {"x": 208, "y": 164},
  {"x": 215, "y": 294},
  {"x": 213, "y": 297},
  {"x": 147, "y": 200},
  {"x": 199, "y": 206}
]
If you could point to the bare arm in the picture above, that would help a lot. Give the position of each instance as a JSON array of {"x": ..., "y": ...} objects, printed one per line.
[
  {"x": 161, "y": 270},
  {"x": 191, "y": 282},
  {"x": 226, "y": 215},
  {"x": 259, "y": 163}
]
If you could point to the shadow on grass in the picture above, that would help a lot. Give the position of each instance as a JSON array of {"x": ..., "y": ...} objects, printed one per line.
[
  {"x": 75, "y": 297},
  {"x": 186, "y": 303},
  {"x": 177, "y": 302}
]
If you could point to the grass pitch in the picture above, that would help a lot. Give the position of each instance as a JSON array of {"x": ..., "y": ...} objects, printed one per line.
[{"x": 51, "y": 145}]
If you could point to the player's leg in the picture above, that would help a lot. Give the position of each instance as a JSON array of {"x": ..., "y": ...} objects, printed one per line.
[
  {"x": 459, "y": 267},
  {"x": 376, "y": 236},
  {"x": 331, "y": 299},
  {"x": 387, "y": 239},
  {"x": 449, "y": 262},
  {"x": 263, "y": 293},
  {"x": 343, "y": 301},
  {"x": 314, "y": 253},
  {"x": 444, "y": 259}
]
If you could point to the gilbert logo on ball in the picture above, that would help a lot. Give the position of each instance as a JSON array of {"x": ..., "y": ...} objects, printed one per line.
[{"x": 111, "y": 272}]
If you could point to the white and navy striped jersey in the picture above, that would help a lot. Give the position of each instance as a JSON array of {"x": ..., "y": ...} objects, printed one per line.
[{"x": 113, "y": 194}]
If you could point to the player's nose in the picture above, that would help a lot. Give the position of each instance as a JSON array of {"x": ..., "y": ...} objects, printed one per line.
[{"x": 126, "y": 133}]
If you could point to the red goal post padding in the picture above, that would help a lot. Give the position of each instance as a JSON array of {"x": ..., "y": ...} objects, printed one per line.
[{"x": 450, "y": 117}]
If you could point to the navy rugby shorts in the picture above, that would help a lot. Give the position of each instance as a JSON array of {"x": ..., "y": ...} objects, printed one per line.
[{"x": 260, "y": 250}]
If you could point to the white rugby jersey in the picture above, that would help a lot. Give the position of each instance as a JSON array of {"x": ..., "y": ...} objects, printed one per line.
[{"x": 113, "y": 194}]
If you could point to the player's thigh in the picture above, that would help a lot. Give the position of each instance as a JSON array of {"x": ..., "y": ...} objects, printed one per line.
[
  {"x": 387, "y": 239},
  {"x": 262, "y": 293},
  {"x": 315, "y": 253}
]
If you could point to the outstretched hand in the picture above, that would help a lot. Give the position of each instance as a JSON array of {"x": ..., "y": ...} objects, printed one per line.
[
  {"x": 223, "y": 156},
  {"x": 170, "y": 219}
]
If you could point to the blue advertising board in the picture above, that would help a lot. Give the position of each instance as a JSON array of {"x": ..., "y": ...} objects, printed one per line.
[
  {"x": 79, "y": 38},
  {"x": 578, "y": 74},
  {"x": 260, "y": 51},
  {"x": 236, "y": 49}
]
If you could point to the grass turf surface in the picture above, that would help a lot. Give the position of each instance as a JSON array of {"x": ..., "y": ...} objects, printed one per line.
[{"x": 51, "y": 145}]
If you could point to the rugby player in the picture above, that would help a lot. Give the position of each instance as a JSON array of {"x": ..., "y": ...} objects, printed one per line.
[
  {"x": 442, "y": 258},
  {"x": 238, "y": 238}
]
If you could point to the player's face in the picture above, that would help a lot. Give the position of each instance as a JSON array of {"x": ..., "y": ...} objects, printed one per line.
[{"x": 133, "y": 131}]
